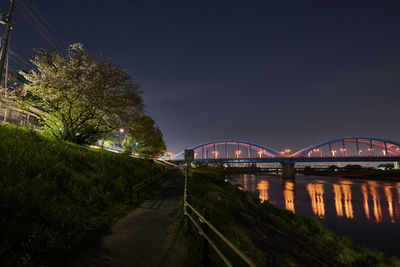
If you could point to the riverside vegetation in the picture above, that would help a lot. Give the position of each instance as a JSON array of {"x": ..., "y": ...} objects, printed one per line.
[
  {"x": 55, "y": 196},
  {"x": 261, "y": 229}
]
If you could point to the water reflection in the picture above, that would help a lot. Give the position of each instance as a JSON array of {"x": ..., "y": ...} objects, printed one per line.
[
  {"x": 249, "y": 182},
  {"x": 397, "y": 203},
  {"x": 375, "y": 200},
  {"x": 338, "y": 199},
  {"x": 288, "y": 195},
  {"x": 348, "y": 206},
  {"x": 364, "y": 192},
  {"x": 349, "y": 197},
  {"x": 262, "y": 187},
  {"x": 388, "y": 194},
  {"x": 366, "y": 211},
  {"x": 342, "y": 191},
  {"x": 316, "y": 192},
  {"x": 246, "y": 182}
]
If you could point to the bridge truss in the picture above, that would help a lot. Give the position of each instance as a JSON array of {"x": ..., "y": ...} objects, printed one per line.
[{"x": 348, "y": 149}]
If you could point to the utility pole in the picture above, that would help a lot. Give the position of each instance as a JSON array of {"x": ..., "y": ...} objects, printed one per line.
[{"x": 6, "y": 37}]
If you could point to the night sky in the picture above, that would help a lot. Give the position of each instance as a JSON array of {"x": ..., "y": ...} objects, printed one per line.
[{"x": 283, "y": 74}]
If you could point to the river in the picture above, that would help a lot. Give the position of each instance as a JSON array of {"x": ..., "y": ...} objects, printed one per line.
[{"x": 366, "y": 211}]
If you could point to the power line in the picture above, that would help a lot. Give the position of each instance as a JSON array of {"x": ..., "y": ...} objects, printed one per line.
[
  {"x": 32, "y": 23},
  {"x": 51, "y": 29},
  {"x": 37, "y": 21},
  {"x": 36, "y": 25},
  {"x": 19, "y": 58}
]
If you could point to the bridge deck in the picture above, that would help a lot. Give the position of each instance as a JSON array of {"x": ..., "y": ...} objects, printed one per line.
[{"x": 291, "y": 160}]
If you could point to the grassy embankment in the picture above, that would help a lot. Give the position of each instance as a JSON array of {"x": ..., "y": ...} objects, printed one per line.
[
  {"x": 56, "y": 196},
  {"x": 260, "y": 228}
]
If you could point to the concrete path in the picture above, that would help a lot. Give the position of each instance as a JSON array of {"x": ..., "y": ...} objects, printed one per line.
[{"x": 145, "y": 236}]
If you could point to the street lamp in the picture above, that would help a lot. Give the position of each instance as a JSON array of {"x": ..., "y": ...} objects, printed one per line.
[{"x": 238, "y": 152}]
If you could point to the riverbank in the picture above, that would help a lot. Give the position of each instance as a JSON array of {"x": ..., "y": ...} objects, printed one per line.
[
  {"x": 261, "y": 229},
  {"x": 56, "y": 196},
  {"x": 381, "y": 175},
  {"x": 368, "y": 173}
]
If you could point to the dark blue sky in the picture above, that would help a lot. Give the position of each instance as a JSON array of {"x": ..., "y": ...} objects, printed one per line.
[{"x": 284, "y": 74}]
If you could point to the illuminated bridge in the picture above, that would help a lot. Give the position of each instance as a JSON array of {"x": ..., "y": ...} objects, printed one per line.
[{"x": 352, "y": 149}]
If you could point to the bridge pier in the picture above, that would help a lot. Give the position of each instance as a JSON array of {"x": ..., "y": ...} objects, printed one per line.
[
  {"x": 288, "y": 170},
  {"x": 396, "y": 165}
]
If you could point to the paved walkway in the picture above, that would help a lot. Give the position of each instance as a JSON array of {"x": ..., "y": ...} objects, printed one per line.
[{"x": 145, "y": 236}]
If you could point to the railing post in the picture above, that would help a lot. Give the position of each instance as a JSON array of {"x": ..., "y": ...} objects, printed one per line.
[
  {"x": 187, "y": 171},
  {"x": 189, "y": 212},
  {"x": 206, "y": 230}
]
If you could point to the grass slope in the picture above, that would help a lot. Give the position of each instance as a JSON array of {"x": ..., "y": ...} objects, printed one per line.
[
  {"x": 259, "y": 229},
  {"x": 55, "y": 196}
]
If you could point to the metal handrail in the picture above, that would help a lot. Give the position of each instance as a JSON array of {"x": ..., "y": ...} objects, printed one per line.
[
  {"x": 210, "y": 241},
  {"x": 232, "y": 246},
  {"x": 148, "y": 181}
]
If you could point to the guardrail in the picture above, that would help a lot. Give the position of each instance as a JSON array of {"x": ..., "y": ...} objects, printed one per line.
[
  {"x": 187, "y": 208},
  {"x": 147, "y": 182}
]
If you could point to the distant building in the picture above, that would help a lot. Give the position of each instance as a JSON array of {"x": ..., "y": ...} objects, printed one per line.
[{"x": 10, "y": 113}]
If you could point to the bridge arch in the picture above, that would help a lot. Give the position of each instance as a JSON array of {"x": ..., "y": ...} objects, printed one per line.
[
  {"x": 361, "y": 146},
  {"x": 230, "y": 149}
]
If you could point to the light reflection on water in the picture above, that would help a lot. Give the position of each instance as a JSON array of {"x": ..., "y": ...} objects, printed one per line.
[
  {"x": 262, "y": 187},
  {"x": 388, "y": 194},
  {"x": 364, "y": 191},
  {"x": 316, "y": 192},
  {"x": 343, "y": 201},
  {"x": 366, "y": 211},
  {"x": 288, "y": 195},
  {"x": 376, "y": 200}
]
